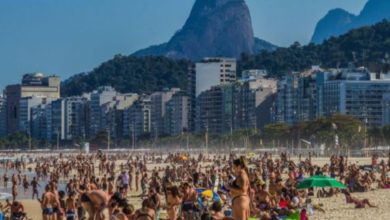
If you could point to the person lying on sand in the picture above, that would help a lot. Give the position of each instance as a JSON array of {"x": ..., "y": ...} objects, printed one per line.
[{"x": 359, "y": 203}]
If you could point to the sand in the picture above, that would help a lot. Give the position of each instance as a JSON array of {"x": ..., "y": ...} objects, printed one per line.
[{"x": 335, "y": 207}]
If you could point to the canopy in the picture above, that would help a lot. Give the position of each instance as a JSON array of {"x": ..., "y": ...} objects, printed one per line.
[{"x": 320, "y": 181}]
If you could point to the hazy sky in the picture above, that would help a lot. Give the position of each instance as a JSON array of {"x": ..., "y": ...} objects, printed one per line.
[{"x": 66, "y": 37}]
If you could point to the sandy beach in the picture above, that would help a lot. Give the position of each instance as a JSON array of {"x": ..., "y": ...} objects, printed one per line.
[{"x": 335, "y": 207}]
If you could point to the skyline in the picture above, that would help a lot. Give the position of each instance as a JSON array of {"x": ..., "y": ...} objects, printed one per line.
[{"x": 66, "y": 38}]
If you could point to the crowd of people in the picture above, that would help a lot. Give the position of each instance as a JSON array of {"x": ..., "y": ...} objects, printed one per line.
[{"x": 181, "y": 186}]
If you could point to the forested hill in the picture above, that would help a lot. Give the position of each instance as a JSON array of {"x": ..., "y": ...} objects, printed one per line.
[
  {"x": 368, "y": 46},
  {"x": 130, "y": 74}
]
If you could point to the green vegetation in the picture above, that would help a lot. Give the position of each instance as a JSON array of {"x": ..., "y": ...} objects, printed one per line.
[
  {"x": 367, "y": 46},
  {"x": 131, "y": 74},
  {"x": 16, "y": 141},
  {"x": 350, "y": 131}
]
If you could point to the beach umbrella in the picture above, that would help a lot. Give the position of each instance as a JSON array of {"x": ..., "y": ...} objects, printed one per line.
[
  {"x": 320, "y": 181},
  {"x": 183, "y": 158},
  {"x": 208, "y": 193}
]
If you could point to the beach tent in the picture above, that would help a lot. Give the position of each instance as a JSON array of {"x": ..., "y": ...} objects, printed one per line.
[{"x": 320, "y": 181}]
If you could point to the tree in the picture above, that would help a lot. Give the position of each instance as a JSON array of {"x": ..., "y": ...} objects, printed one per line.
[
  {"x": 386, "y": 134},
  {"x": 276, "y": 132}
]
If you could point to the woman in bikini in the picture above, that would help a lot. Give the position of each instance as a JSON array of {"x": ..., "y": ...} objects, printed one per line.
[{"x": 239, "y": 190}]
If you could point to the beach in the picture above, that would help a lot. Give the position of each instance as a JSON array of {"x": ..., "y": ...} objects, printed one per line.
[{"x": 335, "y": 207}]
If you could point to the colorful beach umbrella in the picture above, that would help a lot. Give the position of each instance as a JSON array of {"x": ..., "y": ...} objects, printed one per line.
[
  {"x": 320, "y": 181},
  {"x": 208, "y": 193}
]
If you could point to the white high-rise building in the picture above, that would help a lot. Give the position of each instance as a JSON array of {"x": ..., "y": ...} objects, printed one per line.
[
  {"x": 26, "y": 104},
  {"x": 159, "y": 101},
  {"x": 211, "y": 71},
  {"x": 99, "y": 97},
  {"x": 214, "y": 71}
]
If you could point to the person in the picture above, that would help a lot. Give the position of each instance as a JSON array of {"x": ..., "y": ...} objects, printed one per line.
[
  {"x": 137, "y": 181},
  {"x": 35, "y": 185},
  {"x": 154, "y": 195},
  {"x": 144, "y": 182},
  {"x": 173, "y": 199},
  {"x": 25, "y": 184},
  {"x": 70, "y": 207},
  {"x": 14, "y": 191},
  {"x": 129, "y": 211},
  {"x": 95, "y": 203},
  {"x": 303, "y": 215},
  {"x": 48, "y": 201},
  {"x": 359, "y": 203},
  {"x": 125, "y": 181},
  {"x": 189, "y": 210},
  {"x": 17, "y": 210},
  {"x": 239, "y": 190},
  {"x": 146, "y": 212},
  {"x": 216, "y": 211},
  {"x": 111, "y": 186}
]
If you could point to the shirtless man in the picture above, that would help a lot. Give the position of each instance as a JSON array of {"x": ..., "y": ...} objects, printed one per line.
[
  {"x": 95, "y": 203},
  {"x": 48, "y": 202},
  {"x": 70, "y": 206}
]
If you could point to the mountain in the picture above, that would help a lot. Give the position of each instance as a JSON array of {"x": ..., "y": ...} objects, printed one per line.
[
  {"x": 366, "y": 46},
  {"x": 339, "y": 21},
  {"x": 214, "y": 28},
  {"x": 336, "y": 21}
]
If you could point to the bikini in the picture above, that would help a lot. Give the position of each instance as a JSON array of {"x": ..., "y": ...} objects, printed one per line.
[{"x": 236, "y": 185}]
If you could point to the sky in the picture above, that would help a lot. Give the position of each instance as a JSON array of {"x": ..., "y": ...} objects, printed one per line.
[{"x": 66, "y": 37}]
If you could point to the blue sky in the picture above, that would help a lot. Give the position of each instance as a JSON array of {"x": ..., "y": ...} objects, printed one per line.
[{"x": 66, "y": 37}]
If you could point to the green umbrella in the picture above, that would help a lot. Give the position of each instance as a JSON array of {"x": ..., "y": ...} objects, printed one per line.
[{"x": 320, "y": 181}]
